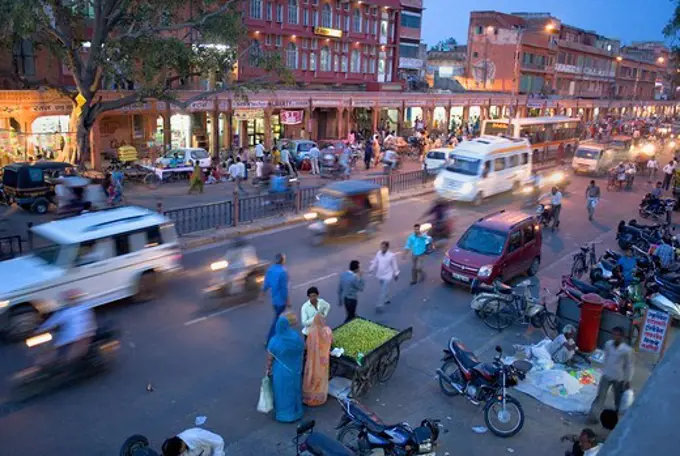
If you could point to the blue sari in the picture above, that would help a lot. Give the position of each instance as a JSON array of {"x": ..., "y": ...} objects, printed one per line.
[{"x": 287, "y": 348}]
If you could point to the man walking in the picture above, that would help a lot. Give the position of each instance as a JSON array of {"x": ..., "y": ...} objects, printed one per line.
[
  {"x": 417, "y": 245},
  {"x": 386, "y": 269},
  {"x": 314, "y": 154},
  {"x": 259, "y": 151},
  {"x": 668, "y": 171},
  {"x": 237, "y": 171},
  {"x": 350, "y": 284},
  {"x": 617, "y": 373},
  {"x": 285, "y": 159},
  {"x": 276, "y": 280},
  {"x": 652, "y": 169},
  {"x": 592, "y": 198},
  {"x": 556, "y": 202},
  {"x": 368, "y": 154}
]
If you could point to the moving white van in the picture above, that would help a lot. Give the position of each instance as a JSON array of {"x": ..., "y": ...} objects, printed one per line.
[
  {"x": 484, "y": 167},
  {"x": 105, "y": 255}
]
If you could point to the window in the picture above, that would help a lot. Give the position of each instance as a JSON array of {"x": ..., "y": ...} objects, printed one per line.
[
  {"x": 374, "y": 11},
  {"x": 254, "y": 53},
  {"x": 153, "y": 237},
  {"x": 479, "y": 30},
  {"x": 315, "y": 19},
  {"x": 513, "y": 161},
  {"x": 122, "y": 244},
  {"x": 525, "y": 158},
  {"x": 374, "y": 27},
  {"x": 325, "y": 57},
  {"x": 315, "y": 43},
  {"x": 529, "y": 233},
  {"x": 343, "y": 65},
  {"x": 346, "y": 6},
  {"x": 168, "y": 233},
  {"x": 87, "y": 253},
  {"x": 356, "y": 21},
  {"x": 293, "y": 12},
  {"x": 256, "y": 9},
  {"x": 475, "y": 54},
  {"x": 515, "y": 241},
  {"x": 303, "y": 61},
  {"x": 346, "y": 27},
  {"x": 291, "y": 56},
  {"x": 268, "y": 40},
  {"x": 312, "y": 61},
  {"x": 305, "y": 43},
  {"x": 315, "y": 2},
  {"x": 279, "y": 13},
  {"x": 356, "y": 61},
  {"x": 371, "y": 65},
  {"x": 410, "y": 20},
  {"x": 305, "y": 18},
  {"x": 336, "y": 63},
  {"x": 269, "y": 11},
  {"x": 24, "y": 59},
  {"x": 499, "y": 164},
  {"x": 345, "y": 47},
  {"x": 408, "y": 50},
  {"x": 326, "y": 18},
  {"x": 279, "y": 41}
]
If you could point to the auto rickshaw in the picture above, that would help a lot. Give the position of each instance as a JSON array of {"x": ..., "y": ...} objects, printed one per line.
[
  {"x": 348, "y": 208},
  {"x": 31, "y": 186}
]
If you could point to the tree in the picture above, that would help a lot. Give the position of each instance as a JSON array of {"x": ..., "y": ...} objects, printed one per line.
[
  {"x": 145, "y": 48},
  {"x": 444, "y": 45},
  {"x": 672, "y": 32}
]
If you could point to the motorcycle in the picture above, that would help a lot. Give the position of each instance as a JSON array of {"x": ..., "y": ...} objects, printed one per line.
[
  {"x": 434, "y": 234},
  {"x": 319, "y": 444},
  {"x": 544, "y": 214},
  {"x": 137, "y": 445},
  {"x": 362, "y": 431},
  {"x": 631, "y": 235},
  {"x": 657, "y": 209},
  {"x": 463, "y": 374},
  {"x": 38, "y": 379}
]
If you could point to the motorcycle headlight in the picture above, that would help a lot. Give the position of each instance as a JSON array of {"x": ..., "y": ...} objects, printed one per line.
[
  {"x": 467, "y": 187},
  {"x": 425, "y": 447},
  {"x": 527, "y": 190},
  {"x": 219, "y": 265},
  {"x": 558, "y": 177},
  {"x": 485, "y": 271},
  {"x": 4, "y": 304},
  {"x": 38, "y": 340},
  {"x": 648, "y": 148},
  {"x": 311, "y": 215},
  {"x": 671, "y": 144},
  {"x": 331, "y": 221}
]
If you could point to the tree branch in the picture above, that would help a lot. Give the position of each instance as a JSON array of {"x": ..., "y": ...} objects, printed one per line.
[{"x": 29, "y": 83}]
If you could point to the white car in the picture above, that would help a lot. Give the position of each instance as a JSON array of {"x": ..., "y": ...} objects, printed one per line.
[
  {"x": 436, "y": 159},
  {"x": 185, "y": 157},
  {"x": 106, "y": 256}
]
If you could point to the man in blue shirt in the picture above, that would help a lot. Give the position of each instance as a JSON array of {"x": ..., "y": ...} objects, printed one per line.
[
  {"x": 276, "y": 280},
  {"x": 628, "y": 264},
  {"x": 417, "y": 245}
]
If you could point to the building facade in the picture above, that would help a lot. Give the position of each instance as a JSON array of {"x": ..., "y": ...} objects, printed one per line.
[
  {"x": 411, "y": 50},
  {"x": 445, "y": 68}
]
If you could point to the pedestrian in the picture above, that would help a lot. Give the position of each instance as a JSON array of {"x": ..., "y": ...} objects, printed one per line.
[
  {"x": 276, "y": 280},
  {"x": 584, "y": 444},
  {"x": 368, "y": 154},
  {"x": 311, "y": 308},
  {"x": 243, "y": 155},
  {"x": 350, "y": 284},
  {"x": 617, "y": 373},
  {"x": 386, "y": 270},
  {"x": 562, "y": 348},
  {"x": 237, "y": 172},
  {"x": 592, "y": 198},
  {"x": 556, "y": 202},
  {"x": 196, "y": 179},
  {"x": 346, "y": 161},
  {"x": 668, "y": 171},
  {"x": 315, "y": 380},
  {"x": 285, "y": 159},
  {"x": 376, "y": 149},
  {"x": 416, "y": 244},
  {"x": 284, "y": 363},
  {"x": 194, "y": 441},
  {"x": 259, "y": 151},
  {"x": 652, "y": 169},
  {"x": 314, "y": 154}
]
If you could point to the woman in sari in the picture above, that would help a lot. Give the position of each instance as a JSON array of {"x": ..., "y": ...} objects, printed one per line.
[
  {"x": 286, "y": 350},
  {"x": 315, "y": 383}
]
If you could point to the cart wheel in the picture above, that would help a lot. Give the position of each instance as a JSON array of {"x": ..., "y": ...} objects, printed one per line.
[
  {"x": 152, "y": 181},
  {"x": 362, "y": 383},
  {"x": 387, "y": 364}
]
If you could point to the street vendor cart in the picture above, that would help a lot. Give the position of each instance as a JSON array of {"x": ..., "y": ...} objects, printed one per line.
[{"x": 371, "y": 353}]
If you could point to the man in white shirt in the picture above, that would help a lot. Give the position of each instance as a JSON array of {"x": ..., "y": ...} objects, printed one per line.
[
  {"x": 285, "y": 159},
  {"x": 391, "y": 159},
  {"x": 668, "y": 171},
  {"x": 556, "y": 202},
  {"x": 194, "y": 442},
  {"x": 311, "y": 308},
  {"x": 237, "y": 171},
  {"x": 314, "y": 154},
  {"x": 386, "y": 269},
  {"x": 259, "y": 150},
  {"x": 562, "y": 348},
  {"x": 652, "y": 168}
]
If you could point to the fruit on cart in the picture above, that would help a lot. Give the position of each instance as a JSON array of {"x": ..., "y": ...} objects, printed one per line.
[{"x": 361, "y": 336}]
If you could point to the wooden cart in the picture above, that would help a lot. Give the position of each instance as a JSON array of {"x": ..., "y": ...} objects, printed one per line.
[{"x": 377, "y": 366}]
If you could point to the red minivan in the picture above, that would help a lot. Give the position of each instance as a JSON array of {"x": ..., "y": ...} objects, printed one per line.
[{"x": 501, "y": 246}]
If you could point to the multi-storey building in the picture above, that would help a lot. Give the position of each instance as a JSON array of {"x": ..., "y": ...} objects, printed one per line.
[
  {"x": 636, "y": 74},
  {"x": 666, "y": 76},
  {"x": 411, "y": 58},
  {"x": 446, "y": 67}
]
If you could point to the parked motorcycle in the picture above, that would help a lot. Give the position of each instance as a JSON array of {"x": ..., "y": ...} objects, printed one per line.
[
  {"x": 463, "y": 374},
  {"x": 137, "y": 445},
  {"x": 40, "y": 379},
  {"x": 631, "y": 235},
  {"x": 362, "y": 431},
  {"x": 317, "y": 444},
  {"x": 659, "y": 209}
]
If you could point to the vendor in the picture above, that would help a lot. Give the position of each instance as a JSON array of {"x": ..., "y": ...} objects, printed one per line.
[
  {"x": 563, "y": 347},
  {"x": 313, "y": 306}
]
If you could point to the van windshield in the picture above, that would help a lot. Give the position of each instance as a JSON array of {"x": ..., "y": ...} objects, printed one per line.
[
  {"x": 46, "y": 249},
  {"x": 588, "y": 153},
  {"x": 463, "y": 165},
  {"x": 483, "y": 241},
  {"x": 436, "y": 155}
]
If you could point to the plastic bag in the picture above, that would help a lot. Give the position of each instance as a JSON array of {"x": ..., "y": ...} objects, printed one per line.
[
  {"x": 627, "y": 400},
  {"x": 266, "y": 402}
]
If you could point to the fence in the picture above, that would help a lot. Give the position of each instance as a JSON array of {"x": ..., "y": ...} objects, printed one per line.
[{"x": 242, "y": 210}]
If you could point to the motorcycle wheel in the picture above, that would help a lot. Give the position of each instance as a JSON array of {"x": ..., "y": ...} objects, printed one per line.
[
  {"x": 504, "y": 415},
  {"x": 578, "y": 268},
  {"x": 643, "y": 213},
  {"x": 451, "y": 369},
  {"x": 133, "y": 444},
  {"x": 350, "y": 436}
]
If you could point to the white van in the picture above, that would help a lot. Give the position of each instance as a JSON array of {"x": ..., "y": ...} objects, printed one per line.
[
  {"x": 106, "y": 255},
  {"x": 436, "y": 159},
  {"x": 484, "y": 167},
  {"x": 592, "y": 157}
]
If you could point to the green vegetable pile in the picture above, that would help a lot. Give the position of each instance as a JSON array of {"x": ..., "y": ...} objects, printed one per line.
[{"x": 361, "y": 336}]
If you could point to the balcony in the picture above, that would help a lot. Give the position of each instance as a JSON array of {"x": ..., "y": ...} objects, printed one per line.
[
  {"x": 583, "y": 48},
  {"x": 593, "y": 72},
  {"x": 535, "y": 66}
]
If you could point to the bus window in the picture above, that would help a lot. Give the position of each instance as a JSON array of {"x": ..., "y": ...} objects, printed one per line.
[
  {"x": 513, "y": 161},
  {"x": 499, "y": 164},
  {"x": 525, "y": 158},
  {"x": 534, "y": 133}
]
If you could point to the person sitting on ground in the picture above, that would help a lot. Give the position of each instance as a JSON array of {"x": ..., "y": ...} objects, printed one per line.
[
  {"x": 562, "y": 348},
  {"x": 584, "y": 444},
  {"x": 194, "y": 442}
]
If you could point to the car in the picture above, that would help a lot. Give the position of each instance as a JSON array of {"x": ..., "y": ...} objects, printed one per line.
[
  {"x": 499, "y": 246},
  {"x": 436, "y": 159},
  {"x": 298, "y": 147},
  {"x": 185, "y": 157},
  {"x": 105, "y": 255}
]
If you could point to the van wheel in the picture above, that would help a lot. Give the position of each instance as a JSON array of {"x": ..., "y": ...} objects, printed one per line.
[
  {"x": 40, "y": 206},
  {"x": 23, "y": 321},
  {"x": 479, "y": 198},
  {"x": 533, "y": 269},
  {"x": 147, "y": 287}
]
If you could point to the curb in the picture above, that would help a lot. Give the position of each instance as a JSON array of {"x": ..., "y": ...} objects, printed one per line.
[{"x": 269, "y": 224}]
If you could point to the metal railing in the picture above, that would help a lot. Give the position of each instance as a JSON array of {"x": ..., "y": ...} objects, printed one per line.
[
  {"x": 247, "y": 209},
  {"x": 10, "y": 247}
]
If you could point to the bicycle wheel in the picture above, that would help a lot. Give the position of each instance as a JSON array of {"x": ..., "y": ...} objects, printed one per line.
[
  {"x": 152, "y": 181},
  {"x": 578, "y": 267},
  {"x": 497, "y": 315}
]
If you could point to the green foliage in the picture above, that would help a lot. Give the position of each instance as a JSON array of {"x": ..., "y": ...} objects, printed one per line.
[
  {"x": 361, "y": 336},
  {"x": 444, "y": 45}
]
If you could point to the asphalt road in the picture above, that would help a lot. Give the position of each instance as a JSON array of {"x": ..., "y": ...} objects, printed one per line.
[{"x": 206, "y": 362}]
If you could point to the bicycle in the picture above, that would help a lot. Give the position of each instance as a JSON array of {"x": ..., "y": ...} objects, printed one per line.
[
  {"x": 504, "y": 309},
  {"x": 584, "y": 260}
]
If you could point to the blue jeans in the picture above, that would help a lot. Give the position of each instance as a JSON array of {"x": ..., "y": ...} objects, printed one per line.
[{"x": 278, "y": 310}]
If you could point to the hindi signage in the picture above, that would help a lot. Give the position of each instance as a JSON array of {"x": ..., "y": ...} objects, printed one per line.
[
  {"x": 204, "y": 105},
  {"x": 363, "y": 103},
  {"x": 52, "y": 108},
  {"x": 290, "y": 103},
  {"x": 255, "y": 104},
  {"x": 654, "y": 329},
  {"x": 248, "y": 114},
  {"x": 291, "y": 117}
]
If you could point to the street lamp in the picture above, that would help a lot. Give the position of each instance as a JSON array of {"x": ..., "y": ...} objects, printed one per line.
[{"x": 661, "y": 60}]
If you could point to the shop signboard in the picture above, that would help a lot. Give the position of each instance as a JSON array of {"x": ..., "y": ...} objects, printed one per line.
[
  {"x": 63, "y": 109},
  {"x": 203, "y": 105},
  {"x": 291, "y": 117},
  {"x": 535, "y": 104},
  {"x": 290, "y": 104},
  {"x": 389, "y": 104},
  {"x": 363, "y": 103},
  {"x": 250, "y": 104},
  {"x": 137, "y": 107},
  {"x": 248, "y": 114},
  {"x": 328, "y": 103},
  {"x": 328, "y": 32},
  {"x": 654, "y": 331}
]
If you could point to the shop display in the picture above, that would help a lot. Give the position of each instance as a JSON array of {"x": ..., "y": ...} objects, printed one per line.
[{"x": 361, "y": 336}]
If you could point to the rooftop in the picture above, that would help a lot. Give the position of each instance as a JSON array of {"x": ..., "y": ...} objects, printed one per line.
[
  {"x": 99, "y": 224},
  {"x": 503, "y": 220}
]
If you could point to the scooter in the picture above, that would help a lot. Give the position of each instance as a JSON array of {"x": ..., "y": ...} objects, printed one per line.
[
  {"x": 545, "y": 214},
  {"x": 435, "y": 234}
]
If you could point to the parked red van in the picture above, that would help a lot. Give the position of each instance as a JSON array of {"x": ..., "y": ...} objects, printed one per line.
[{"x": 501, "y": 246}]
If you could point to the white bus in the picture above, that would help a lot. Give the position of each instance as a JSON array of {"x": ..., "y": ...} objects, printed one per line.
[{"x": 544, "y": 133}]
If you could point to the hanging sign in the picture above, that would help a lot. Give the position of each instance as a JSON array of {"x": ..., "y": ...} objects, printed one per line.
[
  {"x": 248, "y": 114},
  {"x": 329, "y": 32},
  {"x": 250, "y": 104},
  {"x": 204, "y": 105},
  {"x": 290, "y": 104},
  {"x": 363, "y": 103},
  {"x": 654, "y": 330},
  {"x": 291, "y": 117}
]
